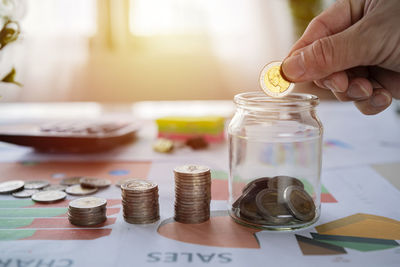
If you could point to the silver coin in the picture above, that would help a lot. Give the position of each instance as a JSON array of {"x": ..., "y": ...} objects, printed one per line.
[
  {"x": 38, "y": 184},
  {"x": 94, "y": 182},
  {"x": 71, "y": 180},
  {"x": 48, "y": 196},
  {"x": 57, "y": 187},
  {"x": 88, "y": 203},
  {"x": 191, "y": 169},
  {"x": 11, "y": 186},
  {"x": 122, "y": 181},
  {"x": 139, "y": 185},
  {"x": 78, "y": 190},
  {"x": 25, "y": 193}
]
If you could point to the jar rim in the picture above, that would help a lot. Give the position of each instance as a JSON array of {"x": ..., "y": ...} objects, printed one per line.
[{"x": 261, "y": 100}]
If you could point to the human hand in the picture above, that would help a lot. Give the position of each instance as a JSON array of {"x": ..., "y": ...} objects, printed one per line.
[{"x": 353, "y": 49}]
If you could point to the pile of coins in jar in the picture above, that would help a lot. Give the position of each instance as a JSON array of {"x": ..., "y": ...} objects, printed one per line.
[{"x": 279, "y": 200}]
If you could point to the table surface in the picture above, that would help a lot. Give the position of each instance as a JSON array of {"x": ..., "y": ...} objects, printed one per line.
[{"x": 361, "y": 162}]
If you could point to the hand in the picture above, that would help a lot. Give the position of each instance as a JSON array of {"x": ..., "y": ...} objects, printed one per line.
[{"x": 353, "y": 49}]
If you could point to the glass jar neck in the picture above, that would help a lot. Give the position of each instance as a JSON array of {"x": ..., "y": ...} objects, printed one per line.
[{"x": 258, "y": 102}]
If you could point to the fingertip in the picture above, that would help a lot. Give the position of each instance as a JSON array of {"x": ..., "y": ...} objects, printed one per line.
[
  {"x": 359, "y": 89},
  {"x": 378, "y": 102},
  {"x": 293, "y": 67}
]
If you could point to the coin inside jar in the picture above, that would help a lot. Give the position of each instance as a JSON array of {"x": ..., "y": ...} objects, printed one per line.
[
  {"x": 11, "y": 186},
  {"x": 48, "y": 196},
  {"x": 272, "y": 81},
  {"x": 270, "y": 208},
  {"x": 261, "y": 183},
  {"x": 299, "y": 203}
]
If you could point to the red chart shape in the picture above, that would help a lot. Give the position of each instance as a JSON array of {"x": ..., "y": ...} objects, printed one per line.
[
  {"x": 68, "y": 234},
  {"x": 219, "y": 231}
]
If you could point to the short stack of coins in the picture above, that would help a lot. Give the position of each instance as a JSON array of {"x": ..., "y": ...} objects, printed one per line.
[
  {"x": 87, "y": 211},
  {"x": 192, "y": 193},
  {"x": 140, "y": 201}
]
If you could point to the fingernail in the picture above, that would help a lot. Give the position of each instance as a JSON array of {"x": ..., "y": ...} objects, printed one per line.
[
  {"x": 293, "y": 66},
  {"x": 330, "y": 85},
  {"x": 357, "y": 91},
  {"x": 379, "y": 100}
]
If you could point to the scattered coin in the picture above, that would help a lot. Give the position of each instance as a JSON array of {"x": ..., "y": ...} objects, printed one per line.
[
  {"x": 78, "y": 190},
  {"x": 140, "y": 201},
  {"x": 25, "y": 193},
  {"x": 57, "y": 187},
  {"x": 48, "y": 196},
  {"x": 299, "y": 203},
  {"x": 71, "y": 180},
  {"x": 11, "y": 186},
  {"x": 163, "y": 145},
  {"x": 197, "y": 143},
  {"x": 272, "y": 82},
  {"x": 192, "y": 193},
  {"x": 94, "y": 182},
  {"x": 87, "y": 211},
  {"x": 39, "y": 184}
]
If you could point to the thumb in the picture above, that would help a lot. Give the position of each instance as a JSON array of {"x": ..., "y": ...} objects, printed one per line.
[{"x": 325, "y": 56}]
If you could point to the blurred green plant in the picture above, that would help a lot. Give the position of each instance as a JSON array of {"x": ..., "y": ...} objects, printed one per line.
[{"x": 9, "y": 33}]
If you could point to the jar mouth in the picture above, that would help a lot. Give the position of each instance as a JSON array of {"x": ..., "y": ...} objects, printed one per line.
[{"x": 259, "y": 100}]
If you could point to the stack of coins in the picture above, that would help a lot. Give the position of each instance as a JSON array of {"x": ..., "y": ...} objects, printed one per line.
[
  {"x": 140, "y": 201},
  {"x": 87, "y": 211},
  {"x": 192, "y": 193},
  {"x": 275, "y": 201}
]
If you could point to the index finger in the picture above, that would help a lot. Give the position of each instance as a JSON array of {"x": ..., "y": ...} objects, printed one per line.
[{"x": 338, "y": 17}]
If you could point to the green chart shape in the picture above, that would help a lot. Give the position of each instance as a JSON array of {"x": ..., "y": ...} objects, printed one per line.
[
  {"x": 6, "y": 235},
  {"x": 356, "y": 243},
  {"x": 12, "y": 223},
  {"x": 16, "y": 203},
  {"x": 32, "y": 212}
]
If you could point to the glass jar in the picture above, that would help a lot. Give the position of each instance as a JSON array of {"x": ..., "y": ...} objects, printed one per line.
[{"x": 275, "y": 152}]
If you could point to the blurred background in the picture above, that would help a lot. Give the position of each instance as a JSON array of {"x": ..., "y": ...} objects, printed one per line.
[{"x": 133, "y": 50}]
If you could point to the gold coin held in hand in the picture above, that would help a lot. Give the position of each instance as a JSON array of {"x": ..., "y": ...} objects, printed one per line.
[{"x": 272, "y": 82}]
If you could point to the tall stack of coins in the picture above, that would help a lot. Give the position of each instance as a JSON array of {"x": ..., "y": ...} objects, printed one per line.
[
  {"x": 140, "y": 201},
  {"x": 192, "y": 193},
  {"x": 279, "y": 200},
  {"x": 87, "y": 211}
]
